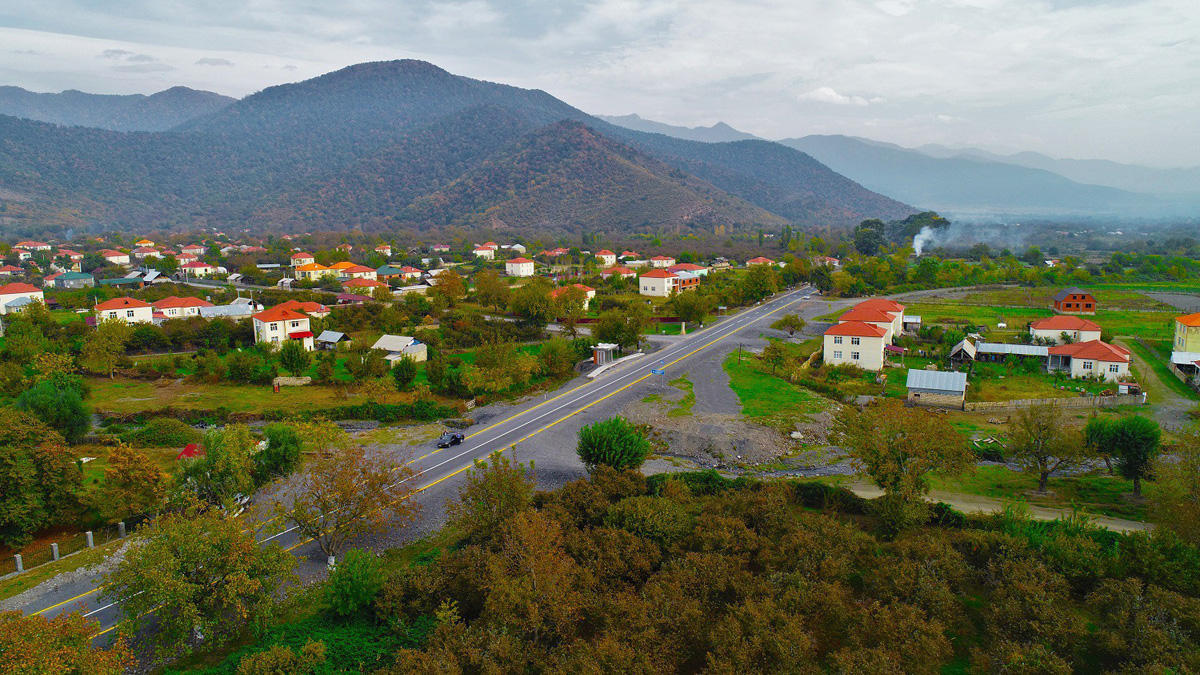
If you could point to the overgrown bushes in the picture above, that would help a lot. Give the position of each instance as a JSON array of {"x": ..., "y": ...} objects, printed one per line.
[{"x": 163, "y": 432}]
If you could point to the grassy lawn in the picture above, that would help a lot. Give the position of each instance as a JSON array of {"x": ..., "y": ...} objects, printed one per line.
[
  {"x": 1096, "y": 493},
  {"x": 994, "y": 382},
  {"x": 130, "y": 396},
  {"x": 766, "y": 399},
  {"x": 684, "y": 406},
  {"x": 1108, "y": 297},
  {"x": 1145, "y": 324}
]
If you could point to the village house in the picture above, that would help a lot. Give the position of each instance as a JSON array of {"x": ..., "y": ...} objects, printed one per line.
[
  {"x": 193, "y": 249},
  {"x": 198, "y": 268},
  {"x": 14, "y": 297},
  {"x": 657, "y": 283},
  {"x": 364, "y": 286},
  {"x": 401, "y": 347},
  {"x": 937, "y": 388},
  {"x": 314, "y": 309},
  {"x": 606, "y": 257},
  {"x": 876, "y": 317},
  {"x": 301, "y": 258},
  {"x": 855, "y": 343},
  {"x": 114, "y": 257},
  {"x": 129, "y": 310},
  {"x": 185, "y": 258},
  {"x": 344, "y": 248},
  {"x": 1090, "y": 359},
  {"x": 692, "y": 268},
  {"x": 22, "y": 254},
  {"x": 172, "y": 307},
  {"x": 1063, "y": 328},
  {"x": 663, "y": 261},
  {"x": 1074, "y": 301},
  {"x": 519, "y": 267},
  {"x": 33, "y": 245},
  {"x": 73, "y": 280},
  {"x": 384, "y": 250},
  {"x": 143, "y": 242},
  {"x": 143, "y": 252},
  {"x": 352, "y": 271},
  {"x": 1187, "y": 333},
  {"x": 759, "y": 260},
  {"x": 9, "y": 270},
  {"x": 277, "y": 325},
  {"x": 313, "y": 272},
  {"x": 618, "y": 271}
]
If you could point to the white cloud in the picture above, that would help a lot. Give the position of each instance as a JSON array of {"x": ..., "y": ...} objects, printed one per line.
[{"x": 830, "y": 95}]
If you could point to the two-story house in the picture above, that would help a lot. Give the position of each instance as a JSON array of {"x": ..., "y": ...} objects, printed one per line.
[{"x": 277, "y": 325}]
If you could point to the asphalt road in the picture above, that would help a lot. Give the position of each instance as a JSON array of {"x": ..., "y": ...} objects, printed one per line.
[{"x": 541, "y": 431}]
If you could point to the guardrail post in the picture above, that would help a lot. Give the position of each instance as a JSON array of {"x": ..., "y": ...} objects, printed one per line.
[
  {"x": 20, "y": 563},
  {"x": 90, "y": 540},
  {"x": 121, "y": 529},
  {"x": 54, "y": 551}
]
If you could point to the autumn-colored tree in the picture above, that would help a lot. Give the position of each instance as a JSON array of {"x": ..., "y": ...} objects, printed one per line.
[
  {"x": 347, "y": 492},
  {"x": 491, "y": 290},
  {"x": 196, "y": 573},
  {"x": 493, "y": 492},
  {"x": 132, "y": 485},
  {"x": 1041, "y": 443},
  {"x": 279, "y": 659},
  {"x": 450, "y": 287},
  {"x": 791, "y": 323},
  {"x": 39, "y": 476},
  {"x": 39, "y": 646},
  {"x": 774, "y": 355},
  {"x": 898, "y": 448},
  {"x": 569, "y": 308},
  {"x": 556, "y": 357},
  {"x": 382, "y": 294},
  {"x": 532, "y": 303},
  {"x": 225, "y": 470},
  {"x": 104, "y": 346},
  {"x": 690, "y": 306},
  {"x": 1176, "y": 501}
]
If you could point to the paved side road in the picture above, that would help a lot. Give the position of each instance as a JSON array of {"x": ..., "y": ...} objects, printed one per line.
[{"x": 541, "y": 430}]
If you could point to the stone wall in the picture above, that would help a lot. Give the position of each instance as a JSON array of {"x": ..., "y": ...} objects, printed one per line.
[{"x": 1080, "y": 402}]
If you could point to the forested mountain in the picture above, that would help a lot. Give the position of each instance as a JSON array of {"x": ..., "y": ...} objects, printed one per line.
[
  {"x": 133, "y": 112},
  {"x": 404, "y": 143},
  {"x": 717, "y": 133}
]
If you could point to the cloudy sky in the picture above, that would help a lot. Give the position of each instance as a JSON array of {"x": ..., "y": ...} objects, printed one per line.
[{"x": 1114, "y": 79}]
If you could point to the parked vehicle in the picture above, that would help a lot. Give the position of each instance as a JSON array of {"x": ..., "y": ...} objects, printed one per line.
[{"x": 449, "y": 438}]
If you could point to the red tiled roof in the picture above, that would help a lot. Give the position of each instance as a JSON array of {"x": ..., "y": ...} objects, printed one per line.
[
  {"x": 1192, "y": 320},
  {"x": 619, "y": 269},
  {"x": 659, "y": 274},
  {"x": 1094, "y": 350},
  {"x": 662, "y": 257},
  {"x": 760, "y": 260},
  {"x": 297, "y": 256},
  {"x": 301, "y": 306},
  {"x": 866, "y": 314},
  {"x": 278, "y": 313},
  {"x": 362, "y": 283},
  {"x": 605, "y": 252},
  {"x": 356, "y": 269},
  {"x": 10, "y": 268},
  {"x": 1064, "y": 322},
  {"x": 121, "y": 303},
  {"x": 685, "y": 267},
  {"x": 881, "y": 304},
  {"x": 856, "y": 329},
  {"x": 172, "y": 301},
  {"x": 195, "y": 265},
  {"x": 520, "y": 260},
  {"x": 18, "y": 287}
]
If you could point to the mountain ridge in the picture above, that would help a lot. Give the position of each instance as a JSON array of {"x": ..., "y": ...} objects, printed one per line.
[{"x": 159, "y": 111}]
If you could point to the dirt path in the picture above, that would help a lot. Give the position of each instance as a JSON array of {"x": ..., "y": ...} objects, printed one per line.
[
  {"x": 980, "y": 504},
  {"x": 1170, "y": 409}
]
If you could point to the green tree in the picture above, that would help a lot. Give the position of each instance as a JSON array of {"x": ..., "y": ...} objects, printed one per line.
[
  {"x": 899, "y": 448},
  {"x": 279, "y": 659},
  {"x": 294, "y": 357},
  {"x": 690, "y": 306},
  {"x": 1176, "y": 501},
  {"x": 791, "y": 323},
  {"x": 868, "y": 236},
  {"x": 1136, "y": 440},
  {"x": 493, "y": 492},
  {"x": 450, "y": 287},
  {"x": 226, "y": 468},
  {"x": 569, "y": 307},
  {"x": 622, "y": 327},
  {"x": 759, "y": 282},
  {"x": 133, "y": 485},
  {"x": 40, "y": 478},
  {"x": 61, "y": 408},
  {"x": 404, "y": 372},
  {"x": 532, "y": 303},
  {"x": 281, "y": 455},
  {"x": 354, "y": 583},
  {"x": 1098, "y": 439},
  {"x": 774, "y": 354},
  {"x": 614, "y": 443},
  {"x": 196, "y": 572},
  {"x": 1040, "y": 443},
  {"x": 556, "y": 357},
  {"x": 104, "y": 346},
  {"x": 491, "y": 290}
]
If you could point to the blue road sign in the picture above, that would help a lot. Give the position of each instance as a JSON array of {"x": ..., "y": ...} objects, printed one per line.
[{"x": 656, "y": 371}]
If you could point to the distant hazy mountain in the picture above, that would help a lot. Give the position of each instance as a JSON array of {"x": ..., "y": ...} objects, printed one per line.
[
  {"x": 134, "y": 112},
  {"x": 1130, "y": 177},
  {"x": 717, "y": 133},
  {"x": 405, "y": 143},
  {"x": 972, "y": 184}
]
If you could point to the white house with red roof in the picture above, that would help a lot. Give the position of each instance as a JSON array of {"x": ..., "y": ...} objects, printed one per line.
[
  {"x": 345, "y": 248},
  {"x": 14, "y": 297},
  {"x": 662, "y": 261},
  {"x": 198, "y": 268},
  {"x": 143, "y": 252},
  {"x": 691, "y": 268},
  {"x": 855, "y": 343},
  {"x": 1062, "y": 328},
  {"x": 518, "y": 267},
  {"x": 33, "y": 245},
  {"x": 363, "y": 286},
  {"x": 9, "y": 270},
  {"x": 277, "y": 325},
  {"x": 114, "y": 256},
  {"x": 588, "y": 293},
  {"x": 384, "y": 250},
  {"x": 484, "y": 252},
  {"x": 143, "y": 242},
  {"x": 172, "y": 307},
  {"x": 759, "y": 260},
  {"x": 22, "y": 254},
  {"x": 313, "y": 309},
  {"x": 185, "y": 258},
  {"x": 129, "y": 310},
  {"x": 301, "y": 258},
  {"x": 606, "y": 257},
  {"x": 193, "y": 249},
  {"x": 882, "y": 312},
  {"x": 657, "y": 283},
  {"x": 1091, "y": 359},
  {"x": 69, "y": 254}
]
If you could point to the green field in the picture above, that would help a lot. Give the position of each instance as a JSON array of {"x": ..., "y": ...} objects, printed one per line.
[
  {"x": 130, "y": 396},
  {"x": 766, "y": 399},
  {"x": 1157, "y": 361},
  {"x": 1108, "y": 298},
  {"x": 1143, "y": 324},
  {"x": 1096, "y": 493}
]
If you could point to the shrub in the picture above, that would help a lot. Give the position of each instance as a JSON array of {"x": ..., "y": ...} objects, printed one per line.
[
  {"x": 163, "y": 432},
  {"x": 708, "y": 482},
  {"x": 353, "y": 584},
  {"x": 656, "y": 518},
  {"x": 61, "y": 408},
  {"x": 281, "y": 659},
  {"x": 613, "y": 442},
  {"x": 280, "y": 457}
]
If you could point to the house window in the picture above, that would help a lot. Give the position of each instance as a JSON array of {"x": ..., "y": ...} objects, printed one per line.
[
  {"x": 295, "y": 324},
  {"x": 129, "y": 313},
  {"x": 837, "y": 355},
  {"x": 837, "y": 339},
  {"x": 274, "y": 327},
  {"x": 1114, "y": 368},
  {"x": 853, "y": 356},
  {"x": 1087, "y": 365},
  {"x": 855, "y": 341}
]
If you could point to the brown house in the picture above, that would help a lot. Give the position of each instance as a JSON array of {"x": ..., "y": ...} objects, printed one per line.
[{"x": 1074, "y": 301}]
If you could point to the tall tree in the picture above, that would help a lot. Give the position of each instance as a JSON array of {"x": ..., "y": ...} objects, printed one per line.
[
  {"x": 450, "y": 287},
  {"x": 1136, "y": 440},
  {"x": 569, "y": 306},
  {"x": 1176, "y": 501},
  {"x": 532, "y": 303},
  {"x": 294, "y": 357},
  {"x": 133, "y": 485},
  {"x": 225, "y": 470},
  {"x": 759, "y": 282},
  {"x": 59, "y": 406},
  {"x": 104, "y": 346},
  {"x": 622, "y": 327},
  {"x": 491, "y": 290},
  {"x": 791, "y": 323},
  {"x": 196, "y": 572},
  {"x": 690, "y": 306},
  {"x": 347, "y": 492},
  {"x": 1040, "y": 442},
  {"x": 403, "y": 373},
  {"x": 774, "y": 355}
]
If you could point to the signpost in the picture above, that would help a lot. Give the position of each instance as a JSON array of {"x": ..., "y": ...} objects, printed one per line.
[{"x": 660, "y": 372}]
